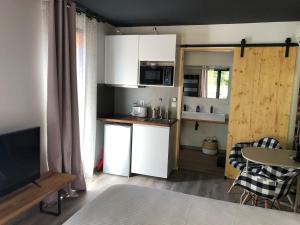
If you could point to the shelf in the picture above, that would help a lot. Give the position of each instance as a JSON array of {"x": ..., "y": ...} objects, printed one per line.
[
  {"x": 204, "y": 121},
  {"x": 197, "y": 161}
]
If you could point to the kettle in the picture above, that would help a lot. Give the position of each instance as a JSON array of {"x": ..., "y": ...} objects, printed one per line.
[{"x": 139, "y": 111}]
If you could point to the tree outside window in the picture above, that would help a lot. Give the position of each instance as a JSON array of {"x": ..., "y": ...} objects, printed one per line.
[{"x": 218, "y": 83}]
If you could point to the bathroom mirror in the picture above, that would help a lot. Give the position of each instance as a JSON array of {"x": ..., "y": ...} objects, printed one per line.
[{"x": 206, "y": 82}]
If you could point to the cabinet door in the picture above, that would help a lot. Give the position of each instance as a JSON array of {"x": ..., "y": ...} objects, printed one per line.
[
  {"x": 117, "y": 153},
  {"x": 157, "y": 47},
  {"x": 150, "y": 150},
  {"x": 121, "y": 59}
]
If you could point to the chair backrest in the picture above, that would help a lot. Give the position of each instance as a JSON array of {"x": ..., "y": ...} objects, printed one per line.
[
  {"x": 235, "y": 158},
  {"x": 284, "y": 183},
  {"x": 267, "y": 142}
]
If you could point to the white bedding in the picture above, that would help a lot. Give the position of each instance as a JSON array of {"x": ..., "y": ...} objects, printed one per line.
[{"x": 135, "y": 205}]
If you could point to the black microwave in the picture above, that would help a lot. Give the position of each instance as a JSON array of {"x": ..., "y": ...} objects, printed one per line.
[{"x": 157, "y": 75}]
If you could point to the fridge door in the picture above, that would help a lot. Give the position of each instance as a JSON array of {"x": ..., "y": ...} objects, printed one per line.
[{"x": 117, "y": 149}]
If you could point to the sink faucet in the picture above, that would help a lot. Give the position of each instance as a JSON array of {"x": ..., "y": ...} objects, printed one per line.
[{"x": 160, "y": 112}]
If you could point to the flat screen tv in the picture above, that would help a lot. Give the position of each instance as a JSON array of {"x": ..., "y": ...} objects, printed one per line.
[{"x": 19, "y": 159}]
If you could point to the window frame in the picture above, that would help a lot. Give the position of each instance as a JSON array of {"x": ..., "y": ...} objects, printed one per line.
[{"x": 219, "y": 71}]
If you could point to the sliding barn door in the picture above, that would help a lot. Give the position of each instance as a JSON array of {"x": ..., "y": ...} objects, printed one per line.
[{"x": 261, "y": 95}]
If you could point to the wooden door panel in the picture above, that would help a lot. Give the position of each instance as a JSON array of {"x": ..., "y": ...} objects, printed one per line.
[{"x": 261, "y": 94}]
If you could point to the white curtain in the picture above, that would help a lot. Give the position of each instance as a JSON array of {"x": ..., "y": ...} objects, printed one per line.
[{"x": 87, "y": 55}]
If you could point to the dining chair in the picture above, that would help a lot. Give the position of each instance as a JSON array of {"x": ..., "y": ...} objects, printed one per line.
[
  {"x": 237, "y": 161},
  {"x": 271, "y": 183}
]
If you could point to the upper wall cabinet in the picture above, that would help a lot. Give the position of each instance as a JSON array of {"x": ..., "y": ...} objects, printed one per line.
[
  {"x": 157, "y": 47},
  {"x": 121, "y": 59}
]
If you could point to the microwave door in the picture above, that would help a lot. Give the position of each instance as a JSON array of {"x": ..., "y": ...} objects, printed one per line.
[{"x": 151, "y": 76}]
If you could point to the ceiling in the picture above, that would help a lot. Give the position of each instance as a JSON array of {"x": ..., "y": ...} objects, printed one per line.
[{"x": 190, "y": 12}]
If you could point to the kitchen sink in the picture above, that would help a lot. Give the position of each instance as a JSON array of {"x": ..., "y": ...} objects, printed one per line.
[{"x": 157, "y": 120}]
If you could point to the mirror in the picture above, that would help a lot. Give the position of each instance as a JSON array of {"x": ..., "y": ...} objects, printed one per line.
[{"x": 206, "y": 82}]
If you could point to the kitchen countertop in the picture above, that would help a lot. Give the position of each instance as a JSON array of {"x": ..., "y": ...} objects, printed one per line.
[{"x": 136, "y": 120}]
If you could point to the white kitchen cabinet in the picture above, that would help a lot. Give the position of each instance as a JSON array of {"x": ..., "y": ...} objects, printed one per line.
[
  {"x": 153, "y": 150},
  {"x": 117, "y": 153},
  {"x": 121, "y": 59},
  {"x": 157, "y": 47}
]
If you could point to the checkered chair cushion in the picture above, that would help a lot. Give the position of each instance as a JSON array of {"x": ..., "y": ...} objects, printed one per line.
[
  {"x": 273, "y": 172},
  {"x": 266, "y": 187},
  {"x": 267, "y": 142},
  {"x": 235, "y": 158},
  {"x": 270, "y": 171}
]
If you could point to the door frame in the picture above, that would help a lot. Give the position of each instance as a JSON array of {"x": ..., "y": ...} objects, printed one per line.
[{"x": 182, "y": 52}]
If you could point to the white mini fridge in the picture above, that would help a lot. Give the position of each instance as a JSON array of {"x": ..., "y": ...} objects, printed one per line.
[{"x": 117, "y": 149}]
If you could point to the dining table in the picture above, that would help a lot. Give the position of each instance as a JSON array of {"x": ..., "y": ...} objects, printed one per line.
[{"x": 275, "y": 157}]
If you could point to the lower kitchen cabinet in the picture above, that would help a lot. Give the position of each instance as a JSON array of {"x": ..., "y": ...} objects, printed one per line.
[{"x": 153, "y": 150}]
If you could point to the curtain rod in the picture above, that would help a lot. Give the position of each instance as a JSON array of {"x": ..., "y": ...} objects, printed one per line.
[
  {"x": 89, "y": 13},
  {"x": 237, "y": 45},
  {"x": 287, "y": 44}
]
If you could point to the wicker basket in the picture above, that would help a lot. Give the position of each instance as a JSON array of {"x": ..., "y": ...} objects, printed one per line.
[{"x": 210, "y": 146}]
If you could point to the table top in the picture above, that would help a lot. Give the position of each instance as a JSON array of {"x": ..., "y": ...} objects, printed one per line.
[{"x": 271, "y": 157}]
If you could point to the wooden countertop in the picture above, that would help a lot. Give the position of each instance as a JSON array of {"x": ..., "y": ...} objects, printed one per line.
[{"x": 125, "y": 119}]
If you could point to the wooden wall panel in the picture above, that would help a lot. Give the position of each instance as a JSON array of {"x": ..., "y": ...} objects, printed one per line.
[
  {"x": 179, "y": 105},
  {"x": 261, "y": 94}
]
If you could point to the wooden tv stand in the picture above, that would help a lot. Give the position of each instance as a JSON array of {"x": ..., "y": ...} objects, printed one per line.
[{"x": 19, "y": 201}]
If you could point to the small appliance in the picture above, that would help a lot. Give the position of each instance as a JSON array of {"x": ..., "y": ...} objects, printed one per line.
[
  {"x": 156, "y": 75},
  {"x": 139, "y": 111}
]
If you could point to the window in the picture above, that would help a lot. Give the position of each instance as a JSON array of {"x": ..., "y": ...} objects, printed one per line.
[
  {"x": 87, "y": 70},
  {"x": 217, "y": 83}
]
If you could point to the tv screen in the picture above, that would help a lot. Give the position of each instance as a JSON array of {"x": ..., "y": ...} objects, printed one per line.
[{"x": 19, "y": 159}]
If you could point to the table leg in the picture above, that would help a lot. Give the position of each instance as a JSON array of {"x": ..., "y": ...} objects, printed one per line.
[
  {"x": 297, "y": 194},
  {"x": 244, "y": 192},
  {"x": 42, "y": 210}
]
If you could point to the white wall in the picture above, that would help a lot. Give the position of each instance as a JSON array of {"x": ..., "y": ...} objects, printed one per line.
[
  {"x": 224, "y": 33},
  {"x": 22, "y": 81},
  {"x": 125, "y": 97},
  {"x": 232, "y": 33},
  {"x": 224, "y": 59},
  {"x": 103, "y": 29}
]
